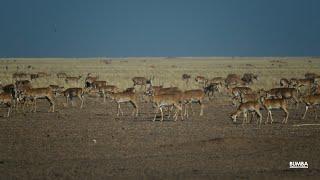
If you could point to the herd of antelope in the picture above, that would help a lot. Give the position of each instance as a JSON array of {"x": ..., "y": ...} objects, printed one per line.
[{"x": 169, "y": 100}]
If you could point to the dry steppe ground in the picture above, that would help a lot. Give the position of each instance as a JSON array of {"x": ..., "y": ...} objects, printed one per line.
[{"x": 93, "y": 143}]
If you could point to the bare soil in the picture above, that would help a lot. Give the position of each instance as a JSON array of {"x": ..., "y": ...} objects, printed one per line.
[{"x": 93, "y": 143}]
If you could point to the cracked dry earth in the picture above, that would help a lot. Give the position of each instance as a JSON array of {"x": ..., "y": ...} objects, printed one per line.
[{"x": 93, "y": 143}]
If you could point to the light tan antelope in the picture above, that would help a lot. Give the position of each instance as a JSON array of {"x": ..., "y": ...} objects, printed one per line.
[
  {"x": 193, "y": 96},
  {"x": 270, "y": 104},
  {"x": 36, "y": 93},
  {"x": 6, "y": 98},
  {"x": 166, "y": 101},
  {"x": 245, "y": 108},
  {"x": 247, "y": 97},
  {"x": 70, "y": 93},
  {"x": 157, "y": 90},
  {"x": 124, "y": 97},
  {"x": 311, "y": 101},
  {"x": 284, "y": 93}
]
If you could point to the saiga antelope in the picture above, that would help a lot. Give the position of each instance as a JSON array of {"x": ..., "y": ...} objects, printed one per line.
[
  {"x": 123, "y": 97},
  {"x": 270, "y": 104},
  {"x": 74, "y": 92},
  {"x": 37, "y": 93},
  {"x": 6, "y": 98},
  {"x": 311, "y": 101},
  {"x": 165, "y": 101},
  {"x": 193, "y": 96},
  {"x": 250, "y": 106},
  {"x": 283, "y": 93}
]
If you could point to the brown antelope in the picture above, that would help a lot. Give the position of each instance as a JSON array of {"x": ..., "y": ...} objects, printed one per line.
[
  {"x": 74, "y": 92},
  {"x": 186, "y": 77},
  {"x": 62, "y": 75},
  {"x": 167, "y": 100},
  {"x": 37, "y": 93},
  {"x": 193, "y": 96},
  {"x": 70, "y": 79},
  {"x": 141, "y": 81},
  {"x": 311, "y": 101},
  {"x": 284, "y": 82},
  {"x": 159, "y": 90},
  {"x": 249, "y": 78},
  {"x": 201, "y": 80},
  {"x": 6, "y": 98},
  {"x": 123, "y": 97},
  {"x": 284, "y": 93},
  {"x": 250, "y": 106},
  {"x": 270, "y": 104},
  {"x": 156, "y": 90}
]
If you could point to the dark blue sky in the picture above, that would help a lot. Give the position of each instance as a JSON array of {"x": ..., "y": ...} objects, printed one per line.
[{"x": 120, "y": 28}]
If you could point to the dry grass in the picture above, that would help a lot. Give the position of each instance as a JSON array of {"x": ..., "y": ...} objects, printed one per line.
[{"x": 167, "y": 71}]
